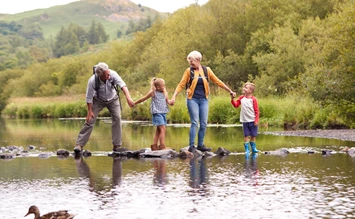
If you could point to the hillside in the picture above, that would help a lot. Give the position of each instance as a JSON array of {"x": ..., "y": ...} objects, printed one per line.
[{"x": 114, "y": 15}]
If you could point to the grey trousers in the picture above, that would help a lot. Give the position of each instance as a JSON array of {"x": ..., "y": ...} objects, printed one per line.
[{"x": 114, "y": 108}]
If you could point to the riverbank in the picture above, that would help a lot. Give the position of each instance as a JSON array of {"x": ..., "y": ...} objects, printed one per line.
[
  {"x": 274, "y": 112},
  {"x": 341, "y": 134}
]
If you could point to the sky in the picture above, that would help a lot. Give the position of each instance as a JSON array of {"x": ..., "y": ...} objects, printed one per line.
[{"x": 17, "y": 6}]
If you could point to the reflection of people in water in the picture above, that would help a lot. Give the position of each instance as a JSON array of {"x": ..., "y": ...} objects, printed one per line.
[
  {"x": 116, "y": 171},
  {"x": 251, "y": 170},
  {"x": 160, "y": 178},
  {"x": 198, "y": 172},
  {"x": 84, "y": 170}
]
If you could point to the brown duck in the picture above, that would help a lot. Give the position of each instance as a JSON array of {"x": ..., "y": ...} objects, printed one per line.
[{"x": 63, "y": 214}]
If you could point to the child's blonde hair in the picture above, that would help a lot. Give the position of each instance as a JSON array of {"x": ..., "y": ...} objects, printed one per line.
[
  {"x": 252, "y": 86},
  {"x": 158, "y": 82}
]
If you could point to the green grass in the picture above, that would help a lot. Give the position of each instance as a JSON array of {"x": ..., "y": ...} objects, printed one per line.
[{"x": 287, "y": 112}]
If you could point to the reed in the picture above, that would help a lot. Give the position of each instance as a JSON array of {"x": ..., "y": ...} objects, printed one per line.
[{"x": 287, "y": 112}]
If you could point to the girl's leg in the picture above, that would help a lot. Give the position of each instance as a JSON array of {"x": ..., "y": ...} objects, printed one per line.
[
  {"x": 162, "y": 130},
  {"x": 156, "y": 136}
]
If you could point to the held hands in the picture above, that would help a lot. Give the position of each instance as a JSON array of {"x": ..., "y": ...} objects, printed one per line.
[
  {"x": 172, "y": 101},
  {"x": 233, "y": 94},
  {"x": 130, "y": 102}
]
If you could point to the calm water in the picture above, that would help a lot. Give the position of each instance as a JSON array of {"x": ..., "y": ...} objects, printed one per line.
[{"x": 298, "y": 185}]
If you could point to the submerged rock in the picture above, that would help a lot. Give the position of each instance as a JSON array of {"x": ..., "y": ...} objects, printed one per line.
[
  {"x": 6, "y": 156},
  {"x": 45, "y": 155},
  {"x": 222, "y": 152},
  {"x": 31, "y": 147},
  {"x": 327, "y": 152},
  {"x": 63, "y": 153},
  {"x": 282, "y": 151},
  {"x": 121, "y": 152},
  {"x": 87, "y": 153},
  {"x": 169, "y": 153},
  {"x": 350, "y": 151},
  {"x": 186, "y": 154}
]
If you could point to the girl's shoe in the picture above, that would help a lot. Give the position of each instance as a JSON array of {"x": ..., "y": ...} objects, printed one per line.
[{"x": 154, "y": 147}]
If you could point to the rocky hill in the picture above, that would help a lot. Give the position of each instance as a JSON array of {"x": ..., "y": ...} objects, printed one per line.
[{"x": 113, "y": 14}]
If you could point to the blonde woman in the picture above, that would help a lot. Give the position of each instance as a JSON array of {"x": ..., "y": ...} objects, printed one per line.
[{"x": 196, "y": 80}]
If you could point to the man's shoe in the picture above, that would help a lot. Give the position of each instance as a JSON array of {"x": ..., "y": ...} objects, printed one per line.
[
  {"x": 203, "y": 148},
  {"x": 78, "y": 149},
  {"x": 192, "y": 149},
  {"x": 116, "y": 147}
]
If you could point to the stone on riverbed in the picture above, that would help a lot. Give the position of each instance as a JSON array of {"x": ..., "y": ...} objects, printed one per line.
[
  {"x": 145, "y": 152},
  {"x": 148, "y": 153},
  {"x": 222, "y": 152},
  {"x": 166, "y": 153},
  {"x": 6, "y": 156},
  {"x": 63, "y": 153},
  {"x": 327, "y": 152},
  {"x": 282, "y": 151},
  {"x": 45, "y": 155},
  {"x": 350, "y": 151}
]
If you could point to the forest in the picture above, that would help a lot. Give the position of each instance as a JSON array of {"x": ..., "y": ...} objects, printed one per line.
[{"x": 298, "y": 50}]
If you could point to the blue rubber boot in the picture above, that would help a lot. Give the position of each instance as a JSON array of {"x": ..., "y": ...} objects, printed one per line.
[
  {"x": 246, "y": 147},
  {"x": 253, "y": 147}
]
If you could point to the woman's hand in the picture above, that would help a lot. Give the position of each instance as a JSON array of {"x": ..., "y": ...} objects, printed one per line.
[{"x": 172, "y": 100}]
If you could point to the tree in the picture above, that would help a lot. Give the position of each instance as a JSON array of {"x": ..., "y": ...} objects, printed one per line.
[
  {"x": 103, "y": 37},
  {"x": 283, "y": 63}
]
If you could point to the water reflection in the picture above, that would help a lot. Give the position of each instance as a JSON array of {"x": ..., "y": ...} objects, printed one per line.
[
  {"x": 160, "y": 173},
  {"x": 198, "y": 172},
  {"x": 84, "y": 170},
  {"x": 116, "y": 171},
  {"x": 251, "y": 171},
  {"x": 99, "y": 183}
]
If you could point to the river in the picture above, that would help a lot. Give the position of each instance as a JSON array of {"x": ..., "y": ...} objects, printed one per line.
[{"x": 296, "y": 185}]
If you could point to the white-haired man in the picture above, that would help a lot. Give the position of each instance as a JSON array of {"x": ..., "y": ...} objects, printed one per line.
[{"x": 100, "y": 94}]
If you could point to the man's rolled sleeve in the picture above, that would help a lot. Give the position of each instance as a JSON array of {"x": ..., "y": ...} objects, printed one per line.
[{"x": 90, "y": 90}]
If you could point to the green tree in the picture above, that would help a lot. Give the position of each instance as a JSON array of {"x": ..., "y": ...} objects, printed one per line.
[
  {"x": 285, "y": 61},
  {"x": 103, "y": 37},
  {"x": 330, "y": 77},
  {"x": 93, "y": 35}
]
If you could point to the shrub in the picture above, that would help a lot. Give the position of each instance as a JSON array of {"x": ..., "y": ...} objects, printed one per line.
[
  {"x": 179, "y": 113},
  {"x": 221, "y": 111}
]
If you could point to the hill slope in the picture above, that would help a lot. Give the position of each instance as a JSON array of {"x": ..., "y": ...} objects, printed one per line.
[{"x": 113, "y": 14}]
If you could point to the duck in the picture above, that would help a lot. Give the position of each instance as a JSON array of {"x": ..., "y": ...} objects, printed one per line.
[{"x": 62, "y": 214}]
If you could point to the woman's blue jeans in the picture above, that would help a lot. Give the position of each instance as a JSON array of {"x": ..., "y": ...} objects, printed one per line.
[{"x": 198, "y": 111}]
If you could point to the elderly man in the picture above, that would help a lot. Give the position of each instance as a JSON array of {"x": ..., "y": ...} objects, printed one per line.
[{"x": 100, "y": 93}]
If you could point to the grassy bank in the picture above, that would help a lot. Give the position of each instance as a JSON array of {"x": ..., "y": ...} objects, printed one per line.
[{"x": 278, "y": 112}]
